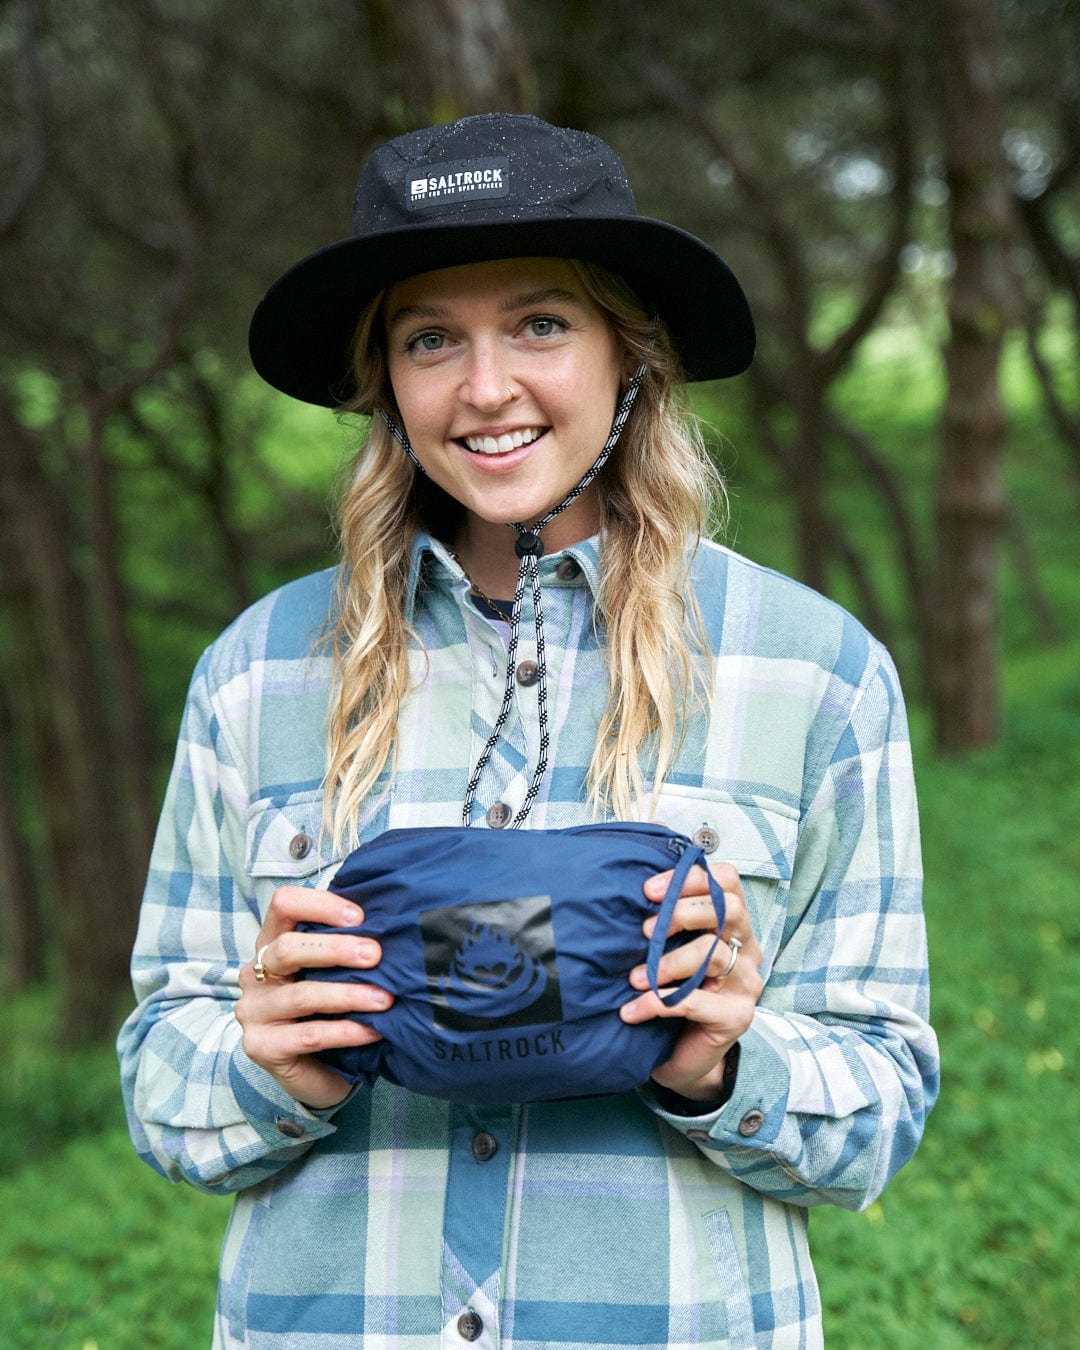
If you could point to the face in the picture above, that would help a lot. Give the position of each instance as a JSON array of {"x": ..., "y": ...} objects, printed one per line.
[{"x": 507, "y": 376}]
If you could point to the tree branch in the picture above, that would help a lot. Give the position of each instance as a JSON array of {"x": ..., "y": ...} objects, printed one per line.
[
  {"x": 821, "y": 31},
  {"x": 31, "y": 170},
  {"x": 883, "y": 275},
  {"x": 782, "y": 243}
]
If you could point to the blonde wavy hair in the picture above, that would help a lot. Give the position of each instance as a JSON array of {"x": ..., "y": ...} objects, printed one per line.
[{"x": 658, "y": 493}]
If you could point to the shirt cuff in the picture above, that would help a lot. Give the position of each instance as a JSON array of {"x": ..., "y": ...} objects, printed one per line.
[
  {"x": 279, "y": 1119},
  {"x": 753, "y": 1115},
  {"x": 678, "y": 1105}
]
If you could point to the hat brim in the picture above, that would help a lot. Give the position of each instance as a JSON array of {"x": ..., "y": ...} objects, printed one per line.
[{"x": 302, "y": 332}]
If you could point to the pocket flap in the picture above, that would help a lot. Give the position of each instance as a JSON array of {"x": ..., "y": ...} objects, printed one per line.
[
  {"x": 285, "y": 837},
  {"x": 757, "y": 835}
]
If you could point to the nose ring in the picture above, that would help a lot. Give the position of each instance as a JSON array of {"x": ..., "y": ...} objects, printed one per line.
[{"x": 510, "y": 394}]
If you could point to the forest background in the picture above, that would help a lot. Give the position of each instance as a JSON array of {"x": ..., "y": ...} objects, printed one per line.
[{"x": 896, "y": 182}]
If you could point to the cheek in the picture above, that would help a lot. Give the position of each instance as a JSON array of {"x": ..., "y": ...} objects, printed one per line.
[{"x": 417, "y": 400}]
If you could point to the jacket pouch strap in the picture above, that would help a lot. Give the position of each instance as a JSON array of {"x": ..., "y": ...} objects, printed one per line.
[{"x": 690, "y": 855}]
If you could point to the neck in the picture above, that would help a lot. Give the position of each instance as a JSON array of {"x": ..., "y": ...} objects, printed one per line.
[{"x": 485, "y": 548}]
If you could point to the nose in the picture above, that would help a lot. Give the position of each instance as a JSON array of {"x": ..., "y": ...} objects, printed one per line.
[{"x": 487, "y": 383}]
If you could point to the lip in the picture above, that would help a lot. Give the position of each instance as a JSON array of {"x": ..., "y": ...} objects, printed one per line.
[{"x": 508, "y": 457}]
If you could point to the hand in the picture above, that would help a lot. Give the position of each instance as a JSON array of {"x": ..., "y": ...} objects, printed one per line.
[
  {"x": 721, "y": 1009},
  {"x": 271, "y": 1011}
]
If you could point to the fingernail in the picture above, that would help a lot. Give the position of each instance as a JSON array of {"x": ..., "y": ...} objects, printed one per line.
[
  {"x": 654, "y": 886},
  {"x": 649, "y": 927},
  {"x": 365, "y": 951},
  {"x": 380, "y": 998},
  {"x": 351, "y": 914}
]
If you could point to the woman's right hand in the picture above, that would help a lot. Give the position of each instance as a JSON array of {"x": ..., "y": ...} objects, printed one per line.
[{"x": 271, "y": 1011}]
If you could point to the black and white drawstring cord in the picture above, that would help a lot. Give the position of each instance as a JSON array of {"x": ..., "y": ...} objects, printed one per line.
[{"x": 530, "y": 549}]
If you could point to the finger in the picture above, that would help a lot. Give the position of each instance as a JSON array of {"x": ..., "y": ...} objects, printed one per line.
[
  {"x": 649, "y": 1006},
  {"x": 681, "y": 963},
  {"x": 697, "y": 882},
  {"x": 286, "y": 1001},
  {"x": 294, "y": 951},
  {"x": 695, "y": 914},
  {"x": 718, "y": 1011},
  {"x": 275, "y": 954},
  {"x": 287, "y": 1051},
  {"x": 290, "y": 905},
  {"x": 289, "y": 1032}
]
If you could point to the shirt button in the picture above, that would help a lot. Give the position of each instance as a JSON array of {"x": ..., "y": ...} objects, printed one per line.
[
  {"x": 300, "y": 846},
  {"x": 291, "y": 1129},
  {"x": 498, "y": 815},
  {"x": 469, "y": 1325},
  {"x": 707, "y": 839},
  {"x": 484, "y": 1146},
  {"x": 751, "y": 1123},
  {"x": 527, "y": 673},
  {"x": 567, "y": 570}
]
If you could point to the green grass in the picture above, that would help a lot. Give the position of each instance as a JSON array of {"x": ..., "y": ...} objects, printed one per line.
[
  {"x": 974, "y": 1243},
  {"x": 99, "y": 1253}
]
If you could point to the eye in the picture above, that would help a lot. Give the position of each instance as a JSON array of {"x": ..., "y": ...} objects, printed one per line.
[
  {"x": 544, "y": 325},
  {"x": 426, "y": 342}
]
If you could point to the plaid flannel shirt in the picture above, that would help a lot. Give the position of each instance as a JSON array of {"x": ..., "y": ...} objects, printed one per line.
[{"x": 402, "y": 1221}]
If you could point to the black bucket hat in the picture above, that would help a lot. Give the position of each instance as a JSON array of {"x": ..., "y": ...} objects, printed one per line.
[{"x": 497, "y": 185}]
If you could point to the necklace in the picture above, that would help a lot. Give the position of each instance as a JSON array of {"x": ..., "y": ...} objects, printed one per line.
[{"x": 474, "y": 589}]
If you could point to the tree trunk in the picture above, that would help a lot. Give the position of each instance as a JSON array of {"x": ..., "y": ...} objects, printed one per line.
[
  {"x": 23, "y": 931},
  {"x": 455, "y": 57},
  {"x": 969, "y": 505},
  {"x": 65, "y": 718}
]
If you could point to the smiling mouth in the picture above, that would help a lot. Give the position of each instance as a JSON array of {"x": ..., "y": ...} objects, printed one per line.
[{"x": 501, "y": 445}]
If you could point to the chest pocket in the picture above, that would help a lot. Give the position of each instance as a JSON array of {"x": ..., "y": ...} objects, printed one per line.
[
  {"x": 756, "y": 835},
  {"x": 286, "y": 844}
]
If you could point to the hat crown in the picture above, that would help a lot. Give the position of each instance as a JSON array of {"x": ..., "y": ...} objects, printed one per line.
[{"x": 488, "y": 168}]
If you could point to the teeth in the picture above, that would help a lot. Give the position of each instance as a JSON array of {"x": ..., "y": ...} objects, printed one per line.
[{"x": 502, "y": 445}]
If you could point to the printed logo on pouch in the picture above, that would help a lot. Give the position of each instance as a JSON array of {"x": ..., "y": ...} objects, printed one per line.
[
  {"x": 491, "y": 1050},
  {"x": 492, "y": 965}
]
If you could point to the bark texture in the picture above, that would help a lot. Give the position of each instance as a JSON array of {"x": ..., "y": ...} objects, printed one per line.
[{"x": 970, "y": 509}]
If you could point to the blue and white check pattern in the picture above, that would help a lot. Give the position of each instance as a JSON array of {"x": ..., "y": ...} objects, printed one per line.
[{"x": 600, "y": 1222}]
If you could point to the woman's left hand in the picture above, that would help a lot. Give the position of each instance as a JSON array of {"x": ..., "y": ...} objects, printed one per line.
[{"x": 722, "y": 1007}]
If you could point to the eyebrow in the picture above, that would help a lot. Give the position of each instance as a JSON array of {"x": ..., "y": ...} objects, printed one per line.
[
  {"x": 549, "y": 295},
  {"x": 408, "y": 313}
]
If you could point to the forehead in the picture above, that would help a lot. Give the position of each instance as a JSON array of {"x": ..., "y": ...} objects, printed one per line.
[{"x": 504, "y": 281}]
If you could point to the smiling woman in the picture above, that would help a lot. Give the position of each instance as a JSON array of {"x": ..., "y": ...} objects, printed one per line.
[
  {"x": 506, "y": 375},
  {"x": 528, "y": 630}
]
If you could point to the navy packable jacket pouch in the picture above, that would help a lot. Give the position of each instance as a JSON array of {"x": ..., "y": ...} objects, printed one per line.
[{"x": 508, "y": 954}]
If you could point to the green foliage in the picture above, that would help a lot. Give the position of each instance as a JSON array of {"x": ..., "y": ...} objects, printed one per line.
[
  {"x": 48, "y": 1095},
  {"x": 97, "y": 1251},
  {"x": 974, "y": 1243}
]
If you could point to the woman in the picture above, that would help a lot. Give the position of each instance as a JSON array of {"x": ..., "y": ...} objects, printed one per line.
[{"x": 529, "y": 630}]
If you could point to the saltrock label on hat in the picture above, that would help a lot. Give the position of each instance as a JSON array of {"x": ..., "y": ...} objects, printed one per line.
[
  {"x": 491, "y": 964},
  {"x": 458, "y": 181}
]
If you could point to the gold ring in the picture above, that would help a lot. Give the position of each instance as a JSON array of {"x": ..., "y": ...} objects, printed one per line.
[
  {"x": 510, "y": 394},
  {"x": 258, "y": 968}
]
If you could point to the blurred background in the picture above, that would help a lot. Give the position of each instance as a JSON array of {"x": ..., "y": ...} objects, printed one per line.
[{"x": 897, "y": 184}]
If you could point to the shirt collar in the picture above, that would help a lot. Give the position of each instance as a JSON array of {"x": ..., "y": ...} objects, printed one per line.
[{"x": 430, "y": 556}]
